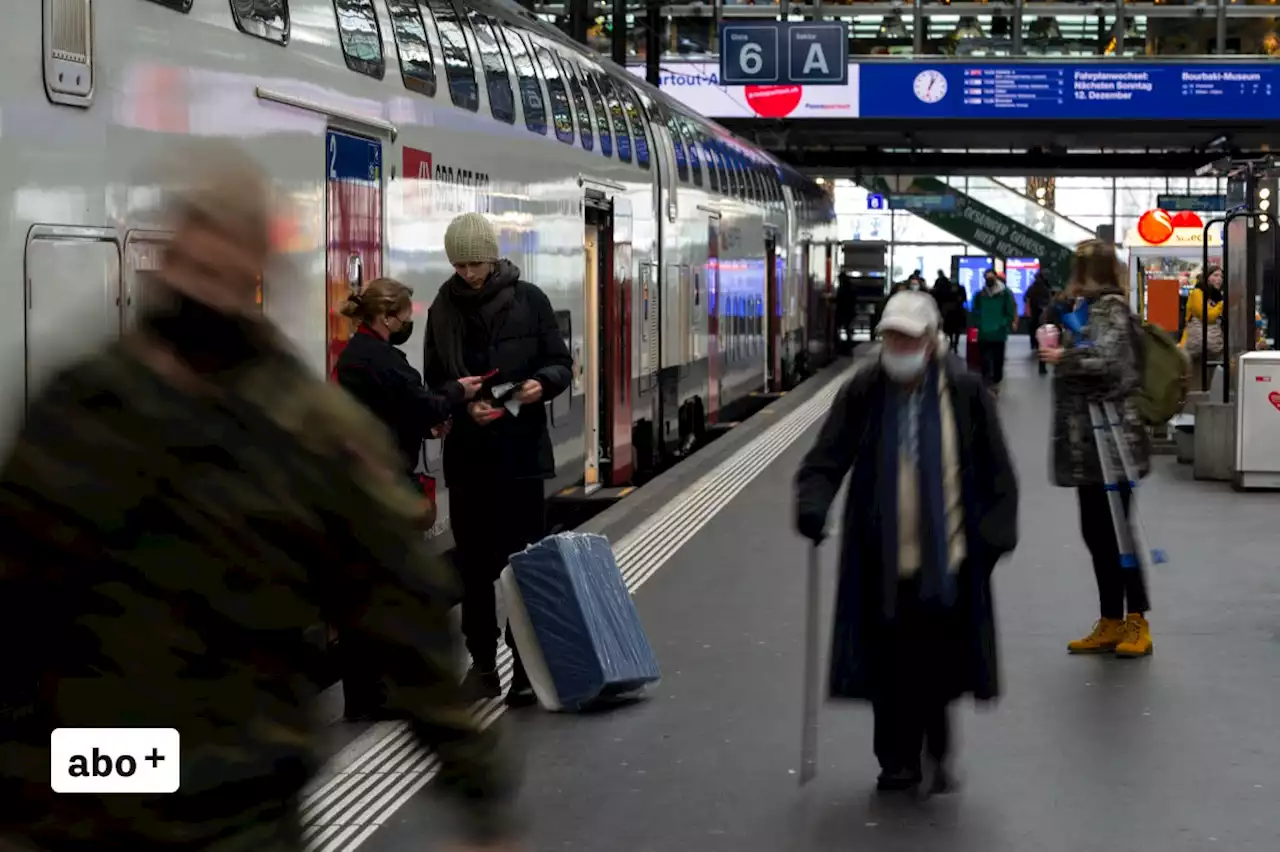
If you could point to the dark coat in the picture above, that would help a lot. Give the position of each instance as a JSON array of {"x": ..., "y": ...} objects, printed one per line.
[
  {"x": 861, "y": 658},
  {"x": 523, "y": 343},
  {"x": 950, "y": 299},
  {"x": 381, "y": 378}
]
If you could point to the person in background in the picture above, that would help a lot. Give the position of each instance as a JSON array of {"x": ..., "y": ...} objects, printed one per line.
[
  {"x": 376, "y": 372},
  {"x": 1104, "y": 370},
  {"x": 176, "y": 515},
  {"x": 1208, "y": 290},
  {"x": 950, "y": 298},
  {"x": 995, "y": 315},
  {"x": 1037, "y": 299},
  {"x": 486, "y": 320},
  {"x": 914, "y": 619}
]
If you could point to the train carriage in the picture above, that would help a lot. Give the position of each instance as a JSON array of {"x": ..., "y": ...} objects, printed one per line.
[{"x": 678, "y": 258}]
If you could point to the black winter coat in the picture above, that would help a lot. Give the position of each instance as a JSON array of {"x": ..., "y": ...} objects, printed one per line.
[
  {"x": 861, "y": 654},
  {"x": 381, "y": 378},
  {"x": 523, "y": 343}
]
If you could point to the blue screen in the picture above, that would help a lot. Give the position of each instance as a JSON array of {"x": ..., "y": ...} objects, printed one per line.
[
  {"x": 972, "y": 272},
  {"x": 1019, "y": 272},
  {"x": 1092, "y": 90}
]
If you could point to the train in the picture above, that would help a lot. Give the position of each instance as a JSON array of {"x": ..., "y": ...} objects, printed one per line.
[{"x": 689, "y": 270}]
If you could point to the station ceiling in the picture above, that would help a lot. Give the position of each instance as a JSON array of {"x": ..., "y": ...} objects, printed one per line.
[{"x": 845, "y": 147}]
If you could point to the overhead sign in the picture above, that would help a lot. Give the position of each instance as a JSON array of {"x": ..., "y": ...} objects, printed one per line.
[
  {"x": 876, "y": 201},
  {"x": 756, "y": 85},
  {"x": 924, "y": 203},
  {"x": 1192, "y": 203},
  {"x": 1059, "y": 90},
  {"x": 784, "y": 53}
]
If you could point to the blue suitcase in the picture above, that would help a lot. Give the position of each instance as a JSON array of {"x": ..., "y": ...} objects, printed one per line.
[{"x": 574, "y": 623}]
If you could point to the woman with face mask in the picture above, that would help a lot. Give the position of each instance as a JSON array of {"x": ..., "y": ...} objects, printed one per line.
[{"x": 374, "y": 370}]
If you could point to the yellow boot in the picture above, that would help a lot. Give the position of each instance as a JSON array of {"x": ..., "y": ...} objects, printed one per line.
[
  {"x": 1106, "y": 637},
  {"x": 1137, "y": 637}
]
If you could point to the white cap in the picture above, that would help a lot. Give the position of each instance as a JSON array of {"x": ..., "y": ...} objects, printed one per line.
[{"x": 912, "y": 313}]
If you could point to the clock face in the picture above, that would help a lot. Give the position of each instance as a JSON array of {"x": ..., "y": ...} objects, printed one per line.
[{"x": 930, "y": 86}]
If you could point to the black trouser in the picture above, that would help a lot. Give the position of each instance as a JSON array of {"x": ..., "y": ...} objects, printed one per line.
[
  {"x": 491, "y": 520},
  {"x": 1120, "y": 590},
  {"x": 992, "y": 354},
  {"x": 953, "y": 338},
  {"x": 911, "y": 712},
  {"x": 363, "y": 691}
]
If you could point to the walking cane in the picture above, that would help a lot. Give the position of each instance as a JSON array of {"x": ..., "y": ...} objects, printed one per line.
[{"x": 809, "y": 733}]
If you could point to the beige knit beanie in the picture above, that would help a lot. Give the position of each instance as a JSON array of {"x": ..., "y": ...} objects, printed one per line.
[{"x": 471, "y": 239}]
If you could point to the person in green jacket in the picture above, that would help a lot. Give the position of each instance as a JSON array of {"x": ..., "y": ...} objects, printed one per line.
[{"x": 994, "y": 315}]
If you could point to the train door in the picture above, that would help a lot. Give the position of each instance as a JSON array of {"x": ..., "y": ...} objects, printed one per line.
[
  {"x": 143, "y": 256},
  {"x": 606, "y": 348},
  {"x": 715, "y": 365},
  {"x": 773, "y": 314},
  {"x": 353, "y": 228},
  {"x": 74, "y": 299}
]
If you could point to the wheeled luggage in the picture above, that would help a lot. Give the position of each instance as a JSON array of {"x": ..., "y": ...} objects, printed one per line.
[{"x": 574, "y": 623}]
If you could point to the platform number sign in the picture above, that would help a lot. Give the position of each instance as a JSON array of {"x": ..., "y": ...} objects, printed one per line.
[
  {"x": 783, "y": 53},
  {"x": 353, "y": 228}
]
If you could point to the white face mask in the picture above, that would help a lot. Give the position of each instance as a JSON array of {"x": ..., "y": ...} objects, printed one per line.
[{"x": 904, "y": 367}]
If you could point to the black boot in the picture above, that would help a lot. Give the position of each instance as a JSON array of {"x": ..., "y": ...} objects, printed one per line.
[
  {"x": 482, "y": 682},
  {"x": 898, "y": 780},
  {"x": 521, "y": 693}
]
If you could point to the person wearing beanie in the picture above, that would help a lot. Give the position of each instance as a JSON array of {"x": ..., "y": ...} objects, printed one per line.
[{"x": 486, "y": 321}]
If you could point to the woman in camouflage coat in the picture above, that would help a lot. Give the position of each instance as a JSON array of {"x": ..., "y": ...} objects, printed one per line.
[{"x": 1100, "y": 365}]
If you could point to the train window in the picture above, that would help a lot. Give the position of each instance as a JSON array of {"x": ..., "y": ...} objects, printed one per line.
[
  {"x": 677, "y": 141},
  {"x": 416, "y": 66},
  {"x": 459, "y": 71},
  {"x": 579, "y": 103},
  {"x": 639, "y": 133},
  {"x": 266, "y": 19},
  {"x": 691, "y": 144},
  {"x": 602, "y": 117},
  {"x": 561, "y": 113},
  {"x": 501, "y": 100},
  {"x": 713, "y": 173},
  {"x": 361, "y": 39},
  {"x": 535, "y": 113},
  {"x": 620, "y": 129},
  {"x": 182, "y": 6}
]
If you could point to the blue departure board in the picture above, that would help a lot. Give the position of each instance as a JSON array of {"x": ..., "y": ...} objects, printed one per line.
[{"x": 1075, "y": 90}]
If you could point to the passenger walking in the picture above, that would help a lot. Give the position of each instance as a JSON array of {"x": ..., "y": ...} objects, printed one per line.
[
  {"x": 376, "y": 372},
  {"x": 486, "y": 321},
  {"x": 1037, "y": 299},
  {"x": 1099, "y": 365},
  {"x": 914, "y": 620},
  {"x": 950, "y": 297},
  {"x": 995, "y": 316},
  {"x": 1204, "y": 307},
  {"x": 177, "y": 512}
]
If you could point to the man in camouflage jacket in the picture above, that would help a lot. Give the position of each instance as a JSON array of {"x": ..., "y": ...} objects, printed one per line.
[{"x": 176, "y": 513}]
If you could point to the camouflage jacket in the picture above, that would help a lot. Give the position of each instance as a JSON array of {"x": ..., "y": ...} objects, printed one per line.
[
  {"x": 167, "y": 541},
  {"x": 1104, "y": 371}
]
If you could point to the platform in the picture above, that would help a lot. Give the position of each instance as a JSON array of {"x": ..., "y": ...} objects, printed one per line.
[{"x": 1174, "y": 752}]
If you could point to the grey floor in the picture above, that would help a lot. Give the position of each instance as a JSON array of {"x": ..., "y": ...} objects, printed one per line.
[{"x": 1176, "y": 752}]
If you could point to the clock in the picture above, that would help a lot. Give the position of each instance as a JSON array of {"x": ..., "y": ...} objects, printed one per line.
[{"x": 930, "y": 86}]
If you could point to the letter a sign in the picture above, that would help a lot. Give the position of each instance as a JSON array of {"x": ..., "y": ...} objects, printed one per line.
[{"x": 782, "y": 53}]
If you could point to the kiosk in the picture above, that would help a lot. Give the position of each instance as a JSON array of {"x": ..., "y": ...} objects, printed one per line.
[{"x": 1165, "y": 254}]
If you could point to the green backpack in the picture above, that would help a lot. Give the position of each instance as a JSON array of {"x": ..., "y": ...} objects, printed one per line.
[{"x": 1165, "y": 372}]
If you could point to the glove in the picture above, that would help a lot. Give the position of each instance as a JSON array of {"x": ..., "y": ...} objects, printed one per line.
[{"x": 812, "y": 527}]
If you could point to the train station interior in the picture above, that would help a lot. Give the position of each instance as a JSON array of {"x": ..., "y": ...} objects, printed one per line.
[
  {"x": 1168, "y": 752},
  {"x": 685, "y": 342}
]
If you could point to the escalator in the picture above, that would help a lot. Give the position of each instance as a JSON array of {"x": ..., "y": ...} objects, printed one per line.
[{"x": 992, "y": 217}]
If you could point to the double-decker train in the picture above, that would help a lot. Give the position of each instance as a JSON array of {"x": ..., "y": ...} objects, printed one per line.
[{"x": 686, "y": 266}]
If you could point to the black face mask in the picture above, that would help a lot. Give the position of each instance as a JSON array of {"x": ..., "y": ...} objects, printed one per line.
[
  {"x": 1215, "y": 293},
  {"x": 206, "y": 338},
  {"x": 401, "y": 337}
]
